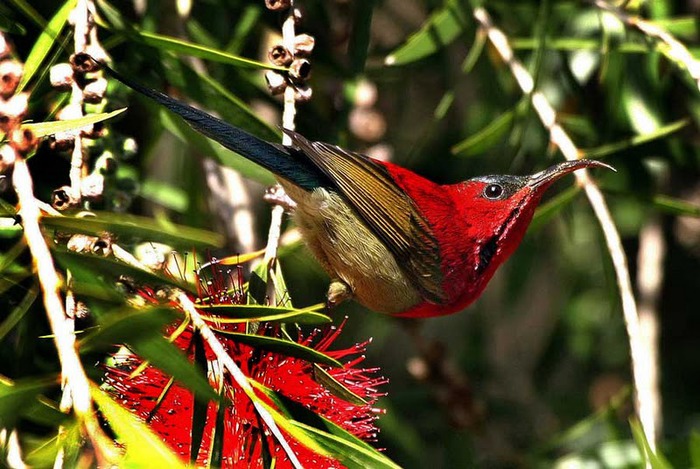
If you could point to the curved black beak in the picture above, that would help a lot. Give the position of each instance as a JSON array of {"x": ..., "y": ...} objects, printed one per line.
[{"x": 551, "y": 174}]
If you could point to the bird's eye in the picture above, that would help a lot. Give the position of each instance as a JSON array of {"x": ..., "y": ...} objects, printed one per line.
[{"x": 493, "y": 191}]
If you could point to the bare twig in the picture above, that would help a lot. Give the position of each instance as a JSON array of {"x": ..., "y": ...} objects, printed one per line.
[
  {"x": 559, "y": 138},
  {"x": 72, "y": 372},
  {"x": 239, "y": 377},
  {"x": 652, "y": 251},
  {"x": 675, "y": 50}
]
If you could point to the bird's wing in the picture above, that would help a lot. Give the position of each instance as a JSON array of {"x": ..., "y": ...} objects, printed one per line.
[{"x": 386, "y": 209}]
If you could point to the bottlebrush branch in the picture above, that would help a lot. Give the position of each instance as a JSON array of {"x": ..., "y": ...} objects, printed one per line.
[{"x": 393, "y": 240}]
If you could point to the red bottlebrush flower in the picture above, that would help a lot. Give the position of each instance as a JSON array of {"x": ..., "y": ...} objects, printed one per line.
[{"x": 168, "y": 407}]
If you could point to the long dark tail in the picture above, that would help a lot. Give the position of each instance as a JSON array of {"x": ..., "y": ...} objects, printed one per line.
[{"x": 276, "y": 158}]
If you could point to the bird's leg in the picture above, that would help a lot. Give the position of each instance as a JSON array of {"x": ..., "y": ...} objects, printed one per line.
[
  {"x": 338, "y": 291},
  {"x": 277, "y": 196}
]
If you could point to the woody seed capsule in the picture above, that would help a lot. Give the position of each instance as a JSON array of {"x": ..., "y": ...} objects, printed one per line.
[
  {"x": 12, "y": 111},
  {"x": 303, "y": 45},
  {"x": 7, "y": 157},
  {"x": 302, "y": 93},
  {"x": 279, "y": 55},
  {"x": 62, "y": 198},
  {"x": 300, "y": 70},
  {"x": 22, "y": 140},
  {"x": 277, "y": 4},
  {"x": 276, "y": 82},
  {"x": 95, "y": 91},
  {"x": 61, "y": 76},
  {"x": 83, "y": 63},
  {"x": 10, "y": 75}
]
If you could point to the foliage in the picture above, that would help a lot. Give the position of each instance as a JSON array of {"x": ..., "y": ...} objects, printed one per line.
[{"x": 536, "y": 373}]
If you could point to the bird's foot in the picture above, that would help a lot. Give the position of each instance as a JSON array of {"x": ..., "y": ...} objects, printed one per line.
[
  {"x": 338, "y": 291},
  {"x": 277, "y": 196}
]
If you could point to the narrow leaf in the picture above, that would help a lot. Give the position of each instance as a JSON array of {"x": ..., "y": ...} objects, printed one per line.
[
  {"x": 336, "y": 387},
  {"x": 42, "y": 129},
  {"x": 18, "y": 313},
  {"x": 359, "y": 38},
  {"x": 132, "y": 226},
  {"x": 205, "y": 146},
  {"x": 16, "y": 397},
  {"x": 486, "y": 138},
  {"x": 349, "y": 453},
  {"x": 443, "y": 27},
  {"x": 143, "y": 447},
  {"x": 196, "y": 50},
  {"x": 43, "y": 44},
  {"x": 610, "y": 148},
  {"x": 655, "y": 460},
  {"x": 246, "y": 313},
  {"x": 284, "y": 347}
]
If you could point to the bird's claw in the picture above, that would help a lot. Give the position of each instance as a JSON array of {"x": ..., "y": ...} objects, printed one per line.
[
  {"x": 338, "y": 291},
  {"x": 277, "y": 196}
]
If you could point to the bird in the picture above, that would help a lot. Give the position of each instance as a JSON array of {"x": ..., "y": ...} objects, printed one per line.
[{"x": 389, "y": 238}]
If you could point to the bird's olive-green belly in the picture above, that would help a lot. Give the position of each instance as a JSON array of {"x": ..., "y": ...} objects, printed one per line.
[{"x": 350, "y": 252}]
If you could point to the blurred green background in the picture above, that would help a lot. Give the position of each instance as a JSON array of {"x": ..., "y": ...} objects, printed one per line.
[{"x": 524, "y": 377}]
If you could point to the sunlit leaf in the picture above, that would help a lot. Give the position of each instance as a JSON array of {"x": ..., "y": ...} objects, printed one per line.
[
  {"x": 259, "y": 313},
  {"x": 336, "y": 387},
  {"x": 283, "y": 347},
  {"x": 654, "y": 458},
  {"x": 42, "y": 129},
  {"x": 143, "y": 447},
  {"x": 610, "y": 148},
  {"x": 350, "y": 453},
  {"x": 439, "y": 30},
  {"x": 43, "y": 44},
  {"x": 134, "y": 227}
]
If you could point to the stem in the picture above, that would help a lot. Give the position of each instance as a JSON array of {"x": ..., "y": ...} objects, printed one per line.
[{"x": 641, "y": 367}]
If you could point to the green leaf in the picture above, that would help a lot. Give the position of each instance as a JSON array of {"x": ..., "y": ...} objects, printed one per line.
[
  {"x": 547, "y": 211},
  {"x": 441, "y": 28},
  {"x": 42, "y": 129},
  {"x": 135, "y": 227},
  {"x": 143, "y": 447},
  {"x": 16, "y": 398},
  {"x": 260, "y": 313},
  {"x": 610, "y": 148},
  {"x": 124, "y": 325},
  {"x": 105, "y": 271},
  {"x": 208, "y": 147},
  {"x": 283, "y": 347},
  {"x": 487, "y": 137},
  {"x": 167, "y": 195},
  {"x": 336, "y": 387},
  {"x": 180, "y": 46},
  {"x": 43, "y": 44},
  {"x": 694, "y": 447},
  {"x": 359, "y": 38},
  {"x": 18, "y": 313},
  {"x": 656, "y": 460},
  {"x": 351, "y": 454},
  {"x": 676, "y": 206}
]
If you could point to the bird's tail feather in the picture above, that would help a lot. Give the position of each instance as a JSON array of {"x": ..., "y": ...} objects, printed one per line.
[{"x": 277, "y": 159}]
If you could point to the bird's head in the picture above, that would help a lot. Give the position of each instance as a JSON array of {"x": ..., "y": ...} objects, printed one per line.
[{"x": 499, "y": 209}]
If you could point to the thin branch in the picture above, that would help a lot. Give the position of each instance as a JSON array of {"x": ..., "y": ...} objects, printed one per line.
[
  {"x": 237, "y": 374},
  {"x": 72, "y": 371},
  {"x": 675, "y": 50},
  {"x": 559, "y": 138}
]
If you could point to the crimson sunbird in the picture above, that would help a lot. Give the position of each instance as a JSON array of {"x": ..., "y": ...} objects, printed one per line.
[{"x": 389, "y": 238}]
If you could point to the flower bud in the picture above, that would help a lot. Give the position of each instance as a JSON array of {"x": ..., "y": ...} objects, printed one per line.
[
  {"x": 61, "y": 76},
  {"x": 276, "y": 82},
  {"x": 10, "y": 75}
]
